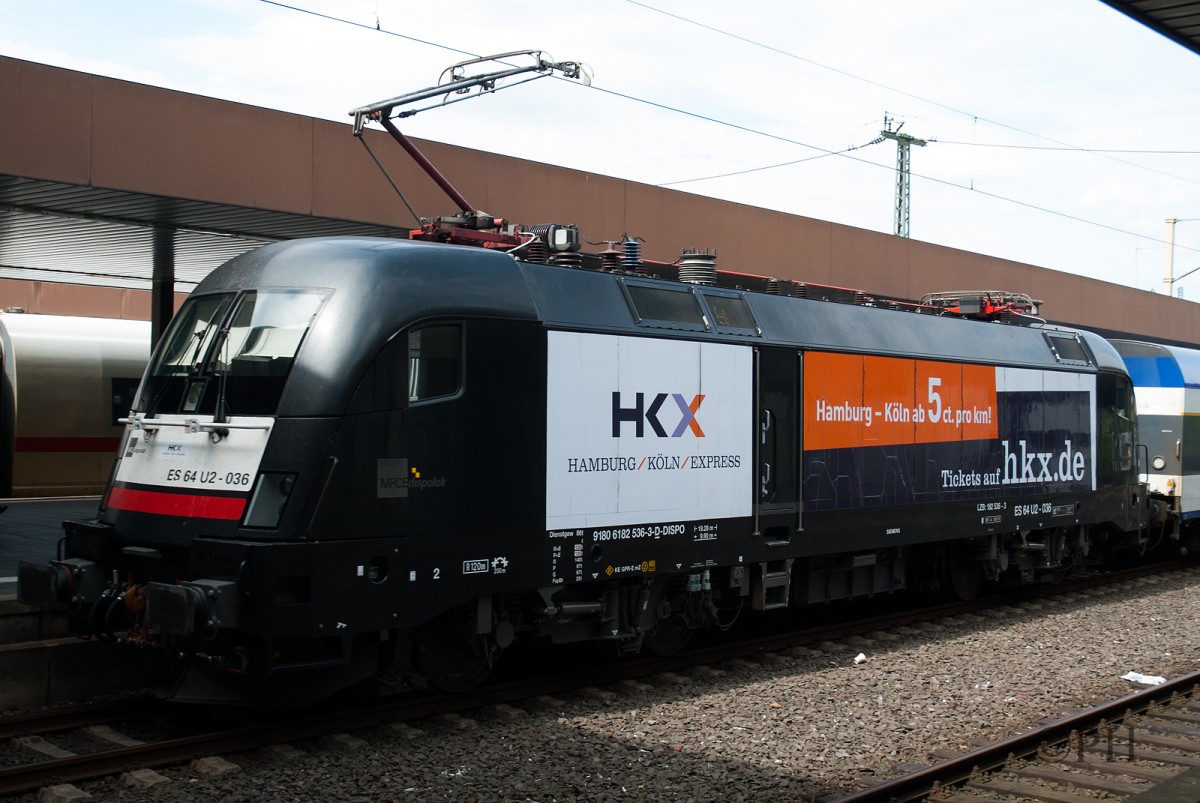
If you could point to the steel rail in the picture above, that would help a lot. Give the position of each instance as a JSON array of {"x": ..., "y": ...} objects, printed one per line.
[
  {"x": 917, "y": 785},
  {"x": 336, "y": 717},
  {"x": 74, "y": 716}
]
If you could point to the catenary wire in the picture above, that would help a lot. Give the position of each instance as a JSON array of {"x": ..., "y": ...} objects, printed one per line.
[
  {"x": 777, "y": 137},
  {"x": 1159, "y": 151},
  {"x": 914, "y": 96},
  {"x": 875, "y": 141},
  {"x": 945, "y": 182}
]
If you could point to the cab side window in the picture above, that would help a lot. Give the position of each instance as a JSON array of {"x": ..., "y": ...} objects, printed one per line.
[
  {"x": 1117, "y": 438},
  {"x": 434, "y": 362}
]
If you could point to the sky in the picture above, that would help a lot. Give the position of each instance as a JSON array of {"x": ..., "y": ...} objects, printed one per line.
[{"x": 1059, "y": 133}]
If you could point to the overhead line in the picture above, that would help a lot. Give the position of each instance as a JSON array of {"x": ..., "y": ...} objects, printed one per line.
[
  {"x": 844, "y": 155},
  {"x": 365, "y": 27},
  {"x": 1083, "y": 150},
  {"x": 750, "y": 169},
  {"x": 777, "y": 137},
  {"x": 706, "y": 118},
  {"x": 889, "y": 88},
  {"x": 875, "y": 141}
]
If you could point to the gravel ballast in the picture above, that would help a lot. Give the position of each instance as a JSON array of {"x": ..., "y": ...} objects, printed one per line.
[{"x": 806, "y": 723}]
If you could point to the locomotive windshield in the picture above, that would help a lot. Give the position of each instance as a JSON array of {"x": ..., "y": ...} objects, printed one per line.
[{"x": 228, "y": 354}]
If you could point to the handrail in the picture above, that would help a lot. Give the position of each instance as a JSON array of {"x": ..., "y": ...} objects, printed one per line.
[{"x": 189, "y": 424}]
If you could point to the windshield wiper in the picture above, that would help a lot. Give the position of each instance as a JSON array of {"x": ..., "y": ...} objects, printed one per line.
[
  {"x": 194, "y": 359},
  {"x": 221, "y": 414}
]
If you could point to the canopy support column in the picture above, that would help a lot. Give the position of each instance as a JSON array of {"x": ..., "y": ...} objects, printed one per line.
[{"x": 162, "y": 301}]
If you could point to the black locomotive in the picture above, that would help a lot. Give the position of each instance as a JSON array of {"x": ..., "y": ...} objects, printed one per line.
[
  {"x": 357, "y": 462},
  {"x": 360, "y": 460}
]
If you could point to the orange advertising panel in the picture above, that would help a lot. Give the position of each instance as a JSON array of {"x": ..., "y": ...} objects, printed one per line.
[
  {"x": 889, "y": 380},
  {"x": 852, "y": 401}
]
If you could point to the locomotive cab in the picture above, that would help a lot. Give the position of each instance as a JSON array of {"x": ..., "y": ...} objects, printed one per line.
[
  {"x": 282, "y": 486},
  {"x": 203, "y": 418}
]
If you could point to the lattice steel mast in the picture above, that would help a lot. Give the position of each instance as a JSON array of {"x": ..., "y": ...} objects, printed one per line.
[{"x": 903, "y": 188}]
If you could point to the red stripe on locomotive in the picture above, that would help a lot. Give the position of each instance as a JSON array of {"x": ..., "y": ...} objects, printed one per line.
[{"x": 177, "y": 504}]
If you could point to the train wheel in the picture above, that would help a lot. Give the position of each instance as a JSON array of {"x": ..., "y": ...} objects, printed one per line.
[
  {"x": 668, "y": 637},
  {"x": 452, "y": 658},
  {"x": 963, "y": 574}
]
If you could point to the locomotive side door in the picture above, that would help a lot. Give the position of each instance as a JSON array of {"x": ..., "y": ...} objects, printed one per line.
[{"x": 777, "y": 510}]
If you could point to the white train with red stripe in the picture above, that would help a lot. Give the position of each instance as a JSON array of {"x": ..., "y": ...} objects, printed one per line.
[{"x": 66, "y": 382}]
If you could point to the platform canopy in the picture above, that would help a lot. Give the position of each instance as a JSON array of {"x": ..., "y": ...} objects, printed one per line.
[
  {"x": 1175, "y": 19},
  {"x": 90, "y": 235}
]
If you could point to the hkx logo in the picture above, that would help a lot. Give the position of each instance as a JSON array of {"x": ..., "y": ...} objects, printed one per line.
[
  {"x": 173, "y": 449},
  {"x": 639, "y": 414}
]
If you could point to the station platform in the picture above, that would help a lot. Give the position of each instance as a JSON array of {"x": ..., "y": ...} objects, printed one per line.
[{"x": 30, "y": 529}]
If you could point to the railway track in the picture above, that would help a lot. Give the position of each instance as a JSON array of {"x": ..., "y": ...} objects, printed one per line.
[
  {"x": 113, "y": 751},
  {"x": 1138, "y": 745}
]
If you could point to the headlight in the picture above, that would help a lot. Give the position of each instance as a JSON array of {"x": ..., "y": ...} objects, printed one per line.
[{"x": 268, "y": 499}]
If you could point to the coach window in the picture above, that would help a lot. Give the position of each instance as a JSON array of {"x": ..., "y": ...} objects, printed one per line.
[{"x": 434, "y": 362}]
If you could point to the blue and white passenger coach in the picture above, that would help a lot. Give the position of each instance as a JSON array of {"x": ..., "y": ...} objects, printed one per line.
[{"x": 1167, "y": 380}]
